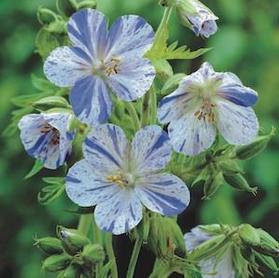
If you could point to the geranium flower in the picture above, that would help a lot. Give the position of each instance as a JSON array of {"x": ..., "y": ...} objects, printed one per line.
[
  {"x": 204, "y": 102},
  {"x": 120, "y": 177},
  {"x": 199, "y": 18},
  {"x": 100, "y": 61},
  {"x": 46, "y": 137},
  {"x": 214, "y": 267}
]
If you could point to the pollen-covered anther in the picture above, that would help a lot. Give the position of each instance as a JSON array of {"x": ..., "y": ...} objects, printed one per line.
[
  {"x": 55, "y": 138},
  {"x": 206, "y": 112},
  {"x": 112, "y": 67},
  {"x": 120, "y": 180}
]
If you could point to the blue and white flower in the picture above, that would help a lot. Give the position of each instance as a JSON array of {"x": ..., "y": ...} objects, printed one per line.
[
  {"x": 214, "y": 267},
  {"x": 198, "y": 17},
  {"x": 46, "y": 137},
  {"x": 120, "y": 177},
  {"x": 207, "y": 101},
  {"x": 101, "y": 60}
]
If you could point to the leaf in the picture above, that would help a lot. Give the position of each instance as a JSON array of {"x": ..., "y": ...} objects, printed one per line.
[
  {"x": 52, "y": 191},
  {"x": 42, "y": 84},
  {"x": 37, "y": 167}
]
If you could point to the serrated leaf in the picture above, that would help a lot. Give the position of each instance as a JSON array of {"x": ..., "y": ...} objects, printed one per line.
[{"x": 37, "y": 167}]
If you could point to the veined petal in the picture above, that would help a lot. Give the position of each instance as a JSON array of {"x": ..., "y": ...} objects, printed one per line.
[
  {"x": 87, "y": 29},
  {"x": 85, "y": 188},
  {"x": 105, "y": 148},
  {"x": 150, "y": 149},
  {"x": 66, "y": 65},
  {"x": 91, "y": 101},
  {"x": 195, "y": 238},
  {"x": 120, "y": 213},
  {"x": 130, "y": 34},
  {"x": 237, "y": 124},
  {"x": 233, "y": 90},
  {"x": 133, "y": 79},
  {"x": 191, "y": 136},
  {"x": 163, "y": 193}
]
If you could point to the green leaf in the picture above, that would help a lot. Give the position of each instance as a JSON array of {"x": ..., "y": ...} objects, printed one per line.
[
  {"x": 42, "y": 84},
  {"x": 37, "y": 167},
  {"x": 51, "y": 102}
]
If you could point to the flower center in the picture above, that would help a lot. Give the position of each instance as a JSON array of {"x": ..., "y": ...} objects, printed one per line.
[
  {"x": 107, "y": 68},
  {"x": 122, "y": 180},
  {"x": 206, "y": 111},
  {"x": 55, "y": 138}
]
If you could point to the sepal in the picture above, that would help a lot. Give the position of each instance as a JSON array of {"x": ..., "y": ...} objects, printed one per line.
[
  {"x": 50, "y": 245},
  {"x": 56, "y": 263}
]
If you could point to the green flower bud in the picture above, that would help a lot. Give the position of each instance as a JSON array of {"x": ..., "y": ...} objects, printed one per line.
[
  {"x": 50, "y": 102},
  {"x": 46, "y": 16},
  {"x": 56, "y": 263},
  {"x": 73, "y": 241},
  {"x": 92, "y": 4},
  {"x": 93, "y": 253},
  {"x": 66, "y": 7},
  {"x": 213, "y": 229},
  {"x": 50, "y": 245},
  {"x": 57, "y": 27},
  {"x": 230, "y": 167},
  {"x": 212, "y": 184},
  {"x": 163, "y": 69},
  {"x": 267, "y": 262},
  {"x": 71, "y": 271},
  {"x": 249, "y": 235},
  {"x": 240, "y": 183},
  {"x": 253, "y": 149},
  {"x": 172, "y": 83}
]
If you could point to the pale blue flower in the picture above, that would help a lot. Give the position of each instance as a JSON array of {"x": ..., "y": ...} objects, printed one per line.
[
  {"x": 101, "y": 60},
  {"x": 214, "y": 267},
  {"x": 207, "y": 101},
  {"x": 120, "y": 177},
  {"x": 46, "y": 137}
]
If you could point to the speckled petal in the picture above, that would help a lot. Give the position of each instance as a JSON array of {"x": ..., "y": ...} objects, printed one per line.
[
  {"x": 66, "y": 65},
  {"x": 119, "y": 214},
  {"x": 151, "y": 149},
  {"x": 105, "y": 148},
  {"x": 191, "y": 136},
  {"x": 91, "y": 101},
  {"x": 163, "y": 193},
  {"x": 237, "y": 124},
  {"x": 86, "y": 188}
]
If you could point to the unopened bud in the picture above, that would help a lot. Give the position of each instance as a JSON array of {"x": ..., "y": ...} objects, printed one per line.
[
  {"x": 267, "y": 262},
  {"x": 92, "y": 4},
  {"x": 50, "y": 102},
  {"x": 72, "y": 271},
  {"x": 73, "y": 241},
  {"x": 56, "y": 263},
  {"x": 230, "y": 167},
  {"x": 213, "y": 229},
  {"x": 212, "y": 184},
  {"x": 253, "y": 149},
  {"x": 249, "y": 235},
  {"x": 66, "y": 7},
  {"x": 163, "y": 69},
  {"x": 46, "y": 16},
  {"x": 239, "y": 182},
  {"x": 50, "y": 245},
  {"x": 93, "y": 253}
]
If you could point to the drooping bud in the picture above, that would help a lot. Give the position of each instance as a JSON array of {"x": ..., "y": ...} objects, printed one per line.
[
  {"x": 240, "y": 183},
  {"x": 253, "y": 149},
  {"x": 72, "y": 271},
  {"x": 249, "y": 235},
  {"x": 73, "y": 241},
  {"x": 230, "y": 167},
  {"x": 267, "y": 262},
  {"x": 212, "y": 184},
  {"x": 91, "y": 4},
  {"x": 93, "y": 253},
  {"x": 56, "y": 263},
  {"x": 50, "y": 102},
  {"x": 196, "y": 16},
  {"x": 50, "y": 245}
]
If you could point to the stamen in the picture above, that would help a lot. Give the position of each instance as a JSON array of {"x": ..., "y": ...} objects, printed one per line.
[
  {"x": 55, "y": 138},
  {"x": 206, "y": 112},
  {"x": 119, "y": 180},
  {"x": 112, "y": 67}
]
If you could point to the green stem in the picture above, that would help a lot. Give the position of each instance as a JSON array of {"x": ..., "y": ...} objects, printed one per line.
[
  {"x": 133, "y": 114},
  {"x": 111, "y": 256},
  {"x": 153, "y": 105},
  {"x": 145, "y": 109},
  {"x": 84, "y": 223},
  {"x": 134, "y": 258},
  {"x": 163, "y": 23}
]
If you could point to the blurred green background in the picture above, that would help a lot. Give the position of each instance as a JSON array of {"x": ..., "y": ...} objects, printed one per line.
[{"x": 247, "y": 43}]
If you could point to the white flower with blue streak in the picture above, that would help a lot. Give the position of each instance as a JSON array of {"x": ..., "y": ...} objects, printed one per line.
[
  {"x": 207, "y": 101},
  {"x": 120, "y": 177},
  {"x": 101, "y": 60},
  {"x": 214, "y": 267},
  {"x": 46, "y": 137}
]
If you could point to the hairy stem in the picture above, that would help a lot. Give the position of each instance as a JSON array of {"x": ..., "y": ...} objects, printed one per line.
[
  {"x": 133, "y": 114},
  {"x": 134, "y": 258},
  {"x": 84, "y": 223},
  {"x": 111, "y": 256}
]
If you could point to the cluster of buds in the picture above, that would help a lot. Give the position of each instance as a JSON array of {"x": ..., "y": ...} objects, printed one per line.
[{"x": 70, "y": 254}]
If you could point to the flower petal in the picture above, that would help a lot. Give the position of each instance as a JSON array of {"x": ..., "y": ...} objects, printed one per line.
[
  {"x": 134, "y": 78},
  {"x": 237, "y": 124},
  {"x": 163, "y": 193},
  {"x": 66, "y": 65},
  {"x": 130, "y": 33},
  {"x": 150, "y": 149},
  {"x": 91, "y": 101},
  {"x": 195, "y": 237},
  {"x": 85, "y": 188},
  {"x": 233, "y": 90},
  {"x": 105, "y": 148},
  {"x": 120, "y": 213},
  {"x": 191, "y": 136},
  {"x": 87, "y": 29}
]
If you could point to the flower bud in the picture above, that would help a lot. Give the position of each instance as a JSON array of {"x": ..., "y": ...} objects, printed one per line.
[
  {"x": 50, "y": 102},
  {"x": 212, "y": 184},
  {"x": 249, "y": 235},
  {"x": 66, "y": 7},
  {"x": 253, "y": 149},
  {"x": 46, "y": 16},
  {"x": 267, "y": 262},
  {"x": 163, "y": 69},
  {"x": 196, "y": 16},
  {"x": 213, "y": 229},
  {"x": 73, "y": 241},
  {"x": 92, "y": 4},
  {"x": 93, "y": 253},
  {"x": 56, "y": 263},
  {"x": 240, "y": 183},
  {"x": 230, "y": 167},
  {"x": 50, "y": 245},
  {"x": 71, "y": 271}
]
